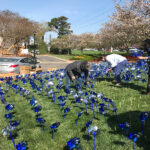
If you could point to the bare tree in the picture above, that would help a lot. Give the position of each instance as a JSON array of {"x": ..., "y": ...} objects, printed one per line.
[{"x": 15, "y": 29}]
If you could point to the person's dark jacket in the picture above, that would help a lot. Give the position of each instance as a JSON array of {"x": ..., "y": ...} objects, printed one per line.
[{"x": 76, "y": 69}]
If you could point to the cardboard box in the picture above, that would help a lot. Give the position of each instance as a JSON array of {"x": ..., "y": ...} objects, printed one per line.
[
  {"x": 51, "y": 69},
  {"x": 25, "y": 67},
  {"x": 38, "y": 69}
]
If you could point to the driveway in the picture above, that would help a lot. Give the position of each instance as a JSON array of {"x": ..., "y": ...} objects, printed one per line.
[{"x": 52, "y": 62}]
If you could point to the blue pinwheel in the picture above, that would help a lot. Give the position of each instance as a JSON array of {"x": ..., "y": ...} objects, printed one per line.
[
  {"x": 124, "y": 126},
  {"x": 73, "y": 143},
  {"x": 15, "y": 124},
  {"x": 88, "y": 124},
  {"x": 9, "y": 107},
  {"x": 85, "y": 102},
  {"x": 41, "y": 121},
  {"x": 3, "y": 101},
  {"x": 9, "y": 116},
  {"x": 53, "y": 127},
  {"x": 33, "y": 102},
  {"x": 134, "y": 137},
  {"x": 79, "y": 115},
  {"x": 143, "y": 118},
  {"x": 93, "y": 131},
  {"x": 78, "y": 100},
  {"x": 61, "y": 106},
  {"x": 66, "y": 110},
  {"x": 37, "y": 109},
  {"x": 102, "y": 110},
  {"x": 22, "y": 146}
]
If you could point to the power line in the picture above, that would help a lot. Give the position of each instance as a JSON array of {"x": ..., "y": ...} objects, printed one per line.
[
  {"x": 92, "y": 23},
  {"x": 88, "y": 18}
]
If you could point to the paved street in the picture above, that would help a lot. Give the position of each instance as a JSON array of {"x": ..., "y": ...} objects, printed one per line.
[{"x": 52, "y": 62}]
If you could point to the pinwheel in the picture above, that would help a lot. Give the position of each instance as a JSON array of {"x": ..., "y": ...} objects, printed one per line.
[
  {"x": 67, "y": 91},
  {"x": 79, "y": 115},
  {"x": 100, "y": 95},
  {"x": 37, "y": 109},
  {"x": 85, "y": 102},
  {"x": 102, "y": 110},
  {"x": 66, "y": 110},
  {"x": 73, "y": 143},
  {"x": 9, "y": 107},
  {"x": 114, "y": 109},
  {"x": 27, "y": 92},
  {"x": 41, "y": 121},
  {"x": 20, "y": 90},
  {"x": 33, "y": 102},
  {"x": 134, "y": 137},
  {"x": 15, "y": 124},
  {"x": 53, "y": 96},
  {"x": 125, "y": 126},
  {"x": 3, "y": 101},
  {"x": 93, "y": 131},
  {"x": 78, "y": 100},
  {"x": 9, "y": 116},
  {"x": 143, "y": 118},
  {"x": 49, "y": 92},
  {"x": 88, "y": 124},
  {"x": 62, "y": 105},
  {"x": 53, "y": 127},
  {"x": 22, "y": 146}
]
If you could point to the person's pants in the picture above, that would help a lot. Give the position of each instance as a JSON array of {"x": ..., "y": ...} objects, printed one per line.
[
  {"x": 117, "y": 70},
  {"x": 68, "y": 82}
]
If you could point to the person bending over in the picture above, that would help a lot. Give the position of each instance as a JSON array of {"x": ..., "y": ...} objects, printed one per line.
[
  {"x": 117, "y": 63},
  {"x": 74, "y": 71},
  {"x": 146, "y": 44}
]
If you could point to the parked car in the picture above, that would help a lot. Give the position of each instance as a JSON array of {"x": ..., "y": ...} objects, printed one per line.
[
  {"x": 90, "y": 49},
  {"x": 12, "y": 64},
  {"x": 133, "y": 50}
]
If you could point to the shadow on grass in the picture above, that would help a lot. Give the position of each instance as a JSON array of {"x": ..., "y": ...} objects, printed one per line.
[
  {"x": 133, "y": 118},
  {"x": 133, "y": 86}
]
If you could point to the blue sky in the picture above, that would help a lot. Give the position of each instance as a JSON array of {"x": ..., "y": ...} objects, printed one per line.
[{"x": 84, "y": 15}]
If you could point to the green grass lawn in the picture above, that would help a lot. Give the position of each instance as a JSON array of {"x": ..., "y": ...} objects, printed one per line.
[
  {"x": 87, "y": 55},
  {"x": 128, "y": 99}
]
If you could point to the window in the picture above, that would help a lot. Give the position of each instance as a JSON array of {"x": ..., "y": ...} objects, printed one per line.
[{"x": 25, "y": 60}]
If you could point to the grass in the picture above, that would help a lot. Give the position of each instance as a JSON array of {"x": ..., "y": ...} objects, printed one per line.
[
  {"x": 85, "y": 55},
  {"x": 128, "y": 98}
]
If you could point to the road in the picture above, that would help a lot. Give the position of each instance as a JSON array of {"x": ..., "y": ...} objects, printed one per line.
[{"x": 52, "y": 62}]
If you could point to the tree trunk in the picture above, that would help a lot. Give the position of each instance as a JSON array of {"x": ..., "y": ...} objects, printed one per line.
[{"x": 69, "y": 51}]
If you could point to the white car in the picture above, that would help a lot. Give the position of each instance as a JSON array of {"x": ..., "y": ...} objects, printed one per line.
[{"x": 133, "y": 50}]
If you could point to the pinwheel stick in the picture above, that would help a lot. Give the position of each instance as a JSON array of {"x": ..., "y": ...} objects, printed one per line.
[
  {"x": 77, "y": 120},
  {"x": 53, "y": 134},
  {"x": 93, "y": 111},
  {"x": 133, "y": 145},
  {"x": 64, "y": 116},
  {"x": 142, "y": 127},
  {"x": 93, "y": 140},
  {"x": 12, "y": 139}
]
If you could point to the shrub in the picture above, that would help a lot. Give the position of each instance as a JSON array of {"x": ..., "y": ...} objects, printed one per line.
[{"x": 43, "y": 48}]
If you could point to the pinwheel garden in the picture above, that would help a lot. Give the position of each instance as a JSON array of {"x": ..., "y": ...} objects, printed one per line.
[{"x": 38, "y": 114}]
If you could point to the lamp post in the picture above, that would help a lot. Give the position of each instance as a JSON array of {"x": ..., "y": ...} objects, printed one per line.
[{"x": 34, "y": 49}]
